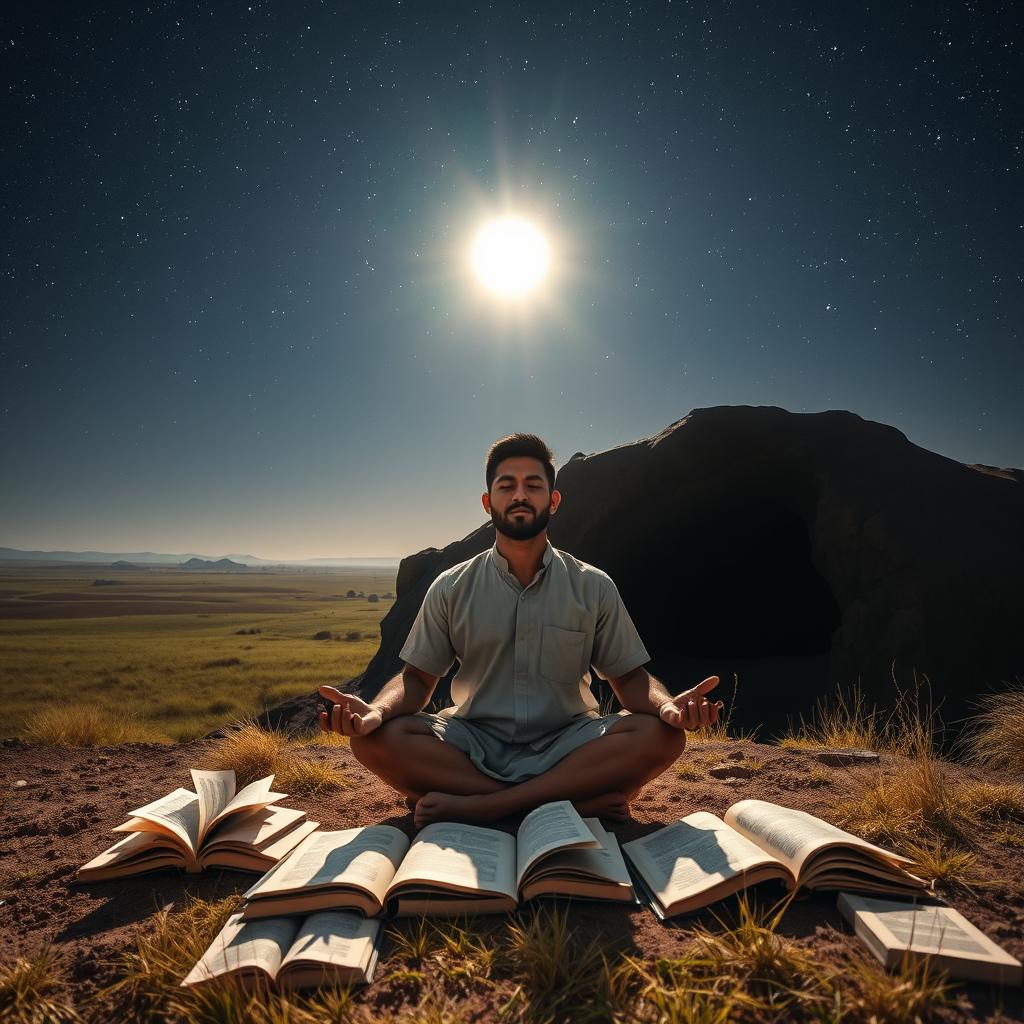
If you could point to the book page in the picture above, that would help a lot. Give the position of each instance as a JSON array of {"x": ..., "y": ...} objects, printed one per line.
[
  {"x": 215, "y": 790},
  {"x": 252, "y": 797},
  {"x": 366, "y": 858},
  {"x": 257, "y": 828},
  {"x": 693, "y": 855},
  {"x": 176, "y": 813},
  {"x": 605, "y": 862},
  {"x": 793, "y": 835},
  {"x": 550, "y": 827},
  {"x": 141, "y": 848},
  {"x": 245, "y": 944},
  {"x": 334, "y": 937},
  {"x": 464, "y": 857},
  {"x": 923, "y": 928}
]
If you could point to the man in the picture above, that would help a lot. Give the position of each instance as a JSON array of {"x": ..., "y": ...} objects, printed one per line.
[{"x": 526, "y": 622}]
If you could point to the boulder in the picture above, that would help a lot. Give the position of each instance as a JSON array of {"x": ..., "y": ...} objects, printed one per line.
[{"x": 796, "y": 552}]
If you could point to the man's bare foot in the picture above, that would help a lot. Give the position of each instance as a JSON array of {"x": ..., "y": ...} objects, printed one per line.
[
  {"x": 613, "y": 806},
  {"x": 448, "y": 807}
]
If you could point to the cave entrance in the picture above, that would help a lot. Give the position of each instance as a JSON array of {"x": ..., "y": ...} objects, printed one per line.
[{"x": 733, "y": 589}]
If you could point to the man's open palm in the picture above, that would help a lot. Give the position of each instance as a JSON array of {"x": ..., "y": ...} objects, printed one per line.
[
  {"x": 691, "y": 709},
  {"x": 349, "y": 715}
]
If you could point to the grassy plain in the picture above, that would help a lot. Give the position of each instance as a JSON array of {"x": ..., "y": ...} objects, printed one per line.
[{"x": 168, "y": 647}]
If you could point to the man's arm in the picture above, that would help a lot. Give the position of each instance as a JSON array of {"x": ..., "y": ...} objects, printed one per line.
[
  {"x": 641, "y": 693},
  {"x": 403, "y": 694}
]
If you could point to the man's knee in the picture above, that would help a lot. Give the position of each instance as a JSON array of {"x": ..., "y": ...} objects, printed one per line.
[
  {"x": 387, "y": 740},
  {"x": 661, "y": 741}
]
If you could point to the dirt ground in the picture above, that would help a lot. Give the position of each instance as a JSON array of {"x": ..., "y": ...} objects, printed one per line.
[{"x": 73, "y": 798}]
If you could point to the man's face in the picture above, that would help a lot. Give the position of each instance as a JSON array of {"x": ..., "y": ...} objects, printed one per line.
[{"x": 519, "y": 502}]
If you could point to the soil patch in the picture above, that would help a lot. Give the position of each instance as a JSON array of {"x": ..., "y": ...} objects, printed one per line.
[{"x": 74, "y": 797}]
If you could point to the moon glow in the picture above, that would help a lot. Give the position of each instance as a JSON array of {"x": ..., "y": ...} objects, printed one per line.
[{"x": 510, "y": 257}]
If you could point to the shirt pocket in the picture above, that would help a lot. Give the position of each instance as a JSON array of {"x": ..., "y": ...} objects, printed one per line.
[{"x": 561, "y": 654}]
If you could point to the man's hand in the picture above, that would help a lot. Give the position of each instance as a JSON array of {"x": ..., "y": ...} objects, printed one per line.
[
  {"x": 691, "y": 709},
  {"x": 349, "y": 715}
]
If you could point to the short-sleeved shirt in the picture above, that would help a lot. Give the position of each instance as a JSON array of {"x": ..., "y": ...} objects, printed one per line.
[{"x": 524, "y": 652}]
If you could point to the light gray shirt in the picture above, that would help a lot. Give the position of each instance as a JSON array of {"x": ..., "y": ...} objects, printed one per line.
[{"x": 523, "y": 652}]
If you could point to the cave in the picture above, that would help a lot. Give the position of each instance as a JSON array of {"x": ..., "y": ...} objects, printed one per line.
[{"x": 736, "y": 593}]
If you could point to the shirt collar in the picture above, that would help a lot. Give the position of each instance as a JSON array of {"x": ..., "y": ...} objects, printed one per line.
[{"x": 502, "y": 563}]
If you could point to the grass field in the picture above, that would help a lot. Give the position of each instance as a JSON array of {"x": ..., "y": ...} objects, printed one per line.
[{"x": 169, "y": 646}]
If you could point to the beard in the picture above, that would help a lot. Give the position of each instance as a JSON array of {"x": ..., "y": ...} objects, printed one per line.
[{"x": 521, "y": 529}]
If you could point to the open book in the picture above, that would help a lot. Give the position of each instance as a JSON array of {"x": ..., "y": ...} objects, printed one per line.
[
  {"x": 701, "y": 859},
  {"x": 334, "y": 947},
  {"x": 214, "y": 826},
  {"x": 893, "y": 931},
  {"x": 447, "y": 869}
]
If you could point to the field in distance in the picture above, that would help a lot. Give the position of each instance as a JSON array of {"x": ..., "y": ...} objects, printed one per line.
[{"x": 187, "y": 652}]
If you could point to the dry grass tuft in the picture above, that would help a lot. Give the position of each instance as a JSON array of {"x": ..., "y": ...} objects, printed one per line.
[
  {"x": 741, "y": 971},
  {"x": 559, "y": 977},
  {"x": 87, "y": 726},
  {"x": 910, "y": 995},
  {"x": 996, "y": 737},
  {"x": 254, "y": 753},
  {"x": 775, "y": 970},
  {"x": 687, "y": 768},
  {"x": 845, "y": 720},
  {"x": 939, "y": 861},
  {"x": 921, "y": 800},
  {"x": 33, "y": 991},
  {"x": 926, "y": 799},
  {"x": 319, "y": 738},
  {"x": 450, "y": 948},
  {"x": 151, "y": 973}
]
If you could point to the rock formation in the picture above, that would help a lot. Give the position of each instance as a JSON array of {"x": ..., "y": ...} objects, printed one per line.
[{"x": 796, "y": 551}]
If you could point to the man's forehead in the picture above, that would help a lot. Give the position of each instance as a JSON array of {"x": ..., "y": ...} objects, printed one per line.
[{"x": 519, "y": 465}]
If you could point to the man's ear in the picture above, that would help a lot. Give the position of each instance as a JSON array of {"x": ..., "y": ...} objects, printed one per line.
[
  {"x": 556, "y": 500},
  {"x": 485, "y": 500}
]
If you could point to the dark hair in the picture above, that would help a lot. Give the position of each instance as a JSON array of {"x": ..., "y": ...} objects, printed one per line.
[{"x": 514, "y": 446}]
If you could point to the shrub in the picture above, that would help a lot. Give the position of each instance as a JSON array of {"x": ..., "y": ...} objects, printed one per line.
[
  {"x": 353, "y": 635},
  {"x": 221, "y": 663},
  {"x": 373, "y": 598},
  {"x": 323, "y": 634}
]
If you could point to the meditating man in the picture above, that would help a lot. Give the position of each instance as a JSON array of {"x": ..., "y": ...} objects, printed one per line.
[{"x": 526, "y": 622}]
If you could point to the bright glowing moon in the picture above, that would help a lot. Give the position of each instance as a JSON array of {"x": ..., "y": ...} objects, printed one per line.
[{"x": 510, "y": 257}]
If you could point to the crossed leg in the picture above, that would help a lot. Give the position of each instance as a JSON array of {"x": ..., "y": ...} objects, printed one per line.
[{"x": 600, "y": 777}]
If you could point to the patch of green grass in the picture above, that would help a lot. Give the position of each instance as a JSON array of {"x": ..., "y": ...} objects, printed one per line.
[{"x": 183, "y": 674}]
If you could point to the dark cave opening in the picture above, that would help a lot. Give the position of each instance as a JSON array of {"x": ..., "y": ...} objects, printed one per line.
[{"x": 732, "y": 589}]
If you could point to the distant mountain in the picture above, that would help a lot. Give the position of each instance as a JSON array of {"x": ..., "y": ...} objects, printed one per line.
[
  {"x": 104, "y": 557},
  {"x": 138, "y": 559},
  {"x": 220, "y": 565}
]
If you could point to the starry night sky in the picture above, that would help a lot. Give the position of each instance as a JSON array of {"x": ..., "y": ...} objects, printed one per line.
[{"x": 236, "y": 315}]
